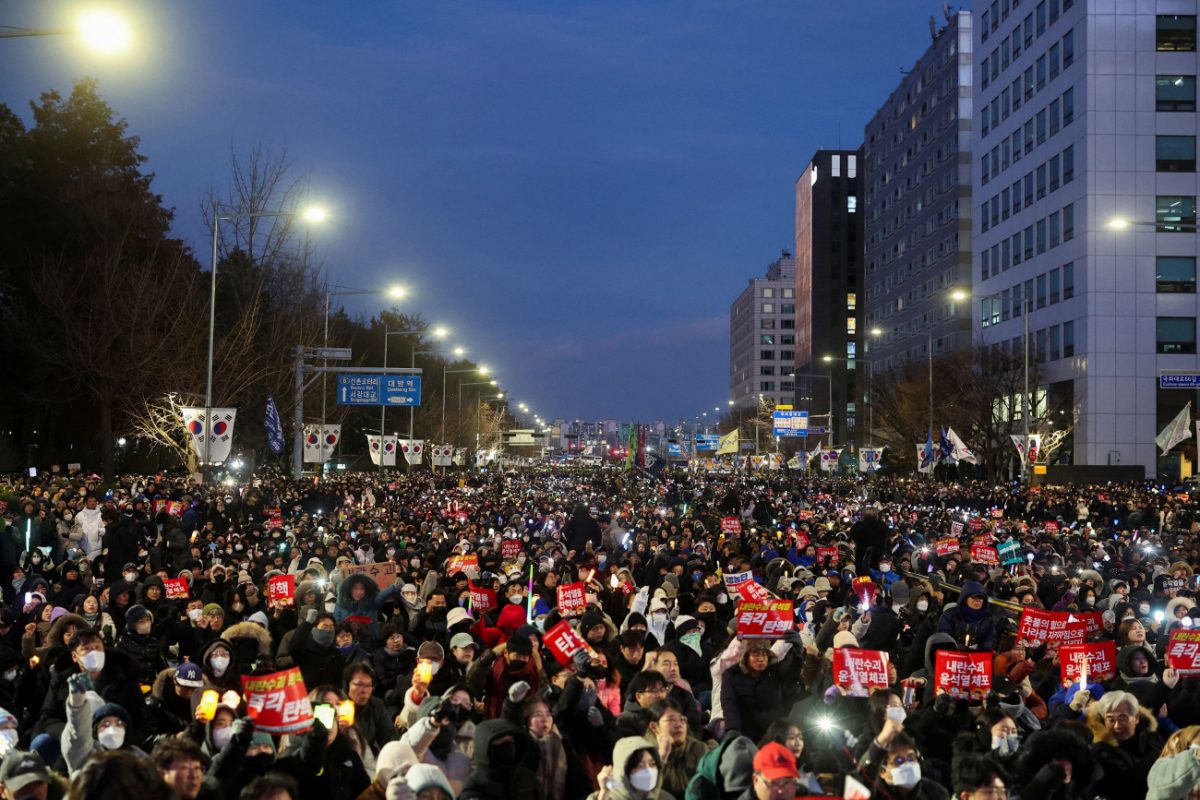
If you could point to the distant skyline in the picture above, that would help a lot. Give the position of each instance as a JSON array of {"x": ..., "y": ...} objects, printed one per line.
[{"x": 577, "y": 189}]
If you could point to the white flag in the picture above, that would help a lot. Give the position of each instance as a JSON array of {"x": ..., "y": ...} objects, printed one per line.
[
  {"x": 794, "y": 462},
  {"x": 815, "y": 454},
  {"x": 319, "y": 443},
  {"x": 384, "y": 449},
  {"x": 1176, "y": 431},
  {"x": 442, "y": 455},
  {"x": 961, "y": 451},
  {"x": 829, "y": 460},
  {"x": 219, "y": 434},
  {"x": 928, "y": 468},
  {"x": 868, "y": 459},
  {"x": 413, "y": 449},
  {"x": 460, "y": 456}
]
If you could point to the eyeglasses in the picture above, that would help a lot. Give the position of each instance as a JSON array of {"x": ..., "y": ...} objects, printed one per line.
[
  {"x": 1120, "y": 719},
  {"x": 655, "y": 690},
  {"x": 780, "y": 784},
  {"x": 361, "y": 685},
  {"x": 998, "y": 792},
  {"x": 899, "y": 760}
]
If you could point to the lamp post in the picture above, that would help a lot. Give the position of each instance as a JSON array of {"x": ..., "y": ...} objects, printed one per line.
[
  {"x": 439, "y": 332},
  {"x": 312, "y": 214},
  {"x": 482, "y": 370},
  {"x": 492, "y": 382},
  {"x": 875, "y": 333},
  {"x": 102, "y": 32}
]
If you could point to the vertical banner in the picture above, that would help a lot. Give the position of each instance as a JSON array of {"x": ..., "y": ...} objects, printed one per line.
[
  {"x": 966, "y": 675},
  {"x": 274, "y": 427},
  {"x": 382, "y": 450},
  {"x": 860, "y": 672},
  {"x": 219, "y": 434},
  {"x": 442, "y": 455},
  {"x": 641, "y": 446},
  {"x": 319, "y": 443},
  {"x": 413, "y": 449}
]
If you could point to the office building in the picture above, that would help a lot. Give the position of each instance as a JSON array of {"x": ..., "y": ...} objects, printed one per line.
[
  {"x": 762, "y": 337},
  {"x": 829, "y": 269},
  {"x": 917, "y": 214},
  {"x": 1085, "y": 195}
]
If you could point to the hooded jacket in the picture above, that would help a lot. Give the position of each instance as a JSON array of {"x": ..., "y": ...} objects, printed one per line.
[
  {"x": 963, "y": 621},
  {"x": 1126, "y": 764},
  {"x": 497, "y": 777},
  {"x": 1173, "y": 777},
  {"x": 752, "y": 702},
  {"x": 368, "y": 607},
  {"x": 624, "y": 753},
  {"x": 724, "y": 773}
]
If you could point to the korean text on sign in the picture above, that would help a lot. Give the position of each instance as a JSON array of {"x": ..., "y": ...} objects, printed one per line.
[
  {"x": 1100, "y": 658},
  {"x": 278, "y": 703},
  {"x": 860, "y": 672},
  {"x": 383, "y": 573},
  {"x": 571, "y": 599},
  {"x": 282, "y": 588},
  {"x": 563, "y": 642},
  {"x": 963, "y": 674},
  {"x": 1052, "y": 626},
  {"x": 769, "y": 619},
  {"x": 1183, "y": 652}
]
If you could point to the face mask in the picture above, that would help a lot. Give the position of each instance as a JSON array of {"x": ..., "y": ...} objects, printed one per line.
[
  {"x": 1144, "y": 609},
  {"x": 9, "y": 738},
  {"x": 722, "y": 599},
  {"x": 323, "y": 637},
  {"x": 11, "y": 675},
  {"x": 93, "y": 661},
  {"x": 885, "y": 568},
  {"x": 1007, "y": 745},
  {"x": 660, "y": 617},
  {"x": 896, "y": 713},
  {"x": 112, "y": 737},
  {"x": 503, "y": 753},
  {"x": 922, "y": 605},
  {"x": 219, "y": 664},
  {"x": 907, "y": 775},
  {"x": 692, "y": 641},
  {"x": 391, "y": 551},
  {"x": 415, "y": 562},
  {"x": 130, "y": 577},
  {"x": 221, "y": 736},
  {"x": 644, "y": 780},
  {"x": 195, "y": 614},
  {"x": 16, "y": 584}
]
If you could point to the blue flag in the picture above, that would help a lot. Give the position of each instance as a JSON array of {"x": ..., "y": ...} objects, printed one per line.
[
  {"x": 946, "y": 447},
  {"x": 274, "y": 427},
  {"x": 928, "y": 457}
]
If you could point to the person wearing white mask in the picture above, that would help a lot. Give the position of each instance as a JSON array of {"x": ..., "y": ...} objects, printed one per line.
[
  {"x": 897, "y": 769},
  {"x": 8, "y": 731},
  {"x": 105, "y": 729},
  {"x": 635, "y": 774}
]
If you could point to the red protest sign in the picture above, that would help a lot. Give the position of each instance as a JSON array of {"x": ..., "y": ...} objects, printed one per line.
[
  {"x": 282, "y": 588},
  {"x": 956, "y": 528},
  {"x": 830, "y": 552},
  {"x": 731, "y": 525},
  {"x": 963, "y": 674},
  {"x": 461, "y": 516},
  {"x": 563, "y": 642},
  {"x": 997, "y": 513},
  {"x": 175, "y": 588},
  {"x": 383, "y": 573},
  {"x": 984, "y": 554},
  {"x": 946, "y": 547},
  {"x": 509, "y": 548},
  {"x": 278, "y": 703},
  {"x": 802, "y": 540},
  {"x": 866, "y": 589},
  {"x": 804, "y": 513},
  {"x": 769, "y": 619},
  {"x": 1050, "y": 527},
  {"x": 482, "y": 598},
  {"x": 1051, "y": 626},
  {"x": 571, "y": 599},
  {"x": 975, "y": 524},
  {"x": 754, "y": 591},
  {"x": 1100, "y": 657},
  {"x": 860, "y": 672},
  {"x": 1183, "y": 652}
]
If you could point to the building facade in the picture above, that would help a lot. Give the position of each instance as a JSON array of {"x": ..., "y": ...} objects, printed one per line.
[
  {"x": 762, "y": 337},
  {"x": 917, "y": 221},
  {"x": 1085, "y": 196},
  {"x": 829, "y": 274}
]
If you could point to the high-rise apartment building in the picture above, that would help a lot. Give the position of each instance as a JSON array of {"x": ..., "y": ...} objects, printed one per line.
[
  {"x": 829, "y": 273},
  {"x": 1085, "y": 228},
  {"x": 917, "y": 215},
  {"x": 762, "y": 337}
]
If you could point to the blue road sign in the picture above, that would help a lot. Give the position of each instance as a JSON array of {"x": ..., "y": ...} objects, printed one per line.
[
  {"x": 706, "y": 442},
  {"x": 379, "y": 390},
  {"x": 1179, "y": 380},
  {"x": 790, "y": 423}
]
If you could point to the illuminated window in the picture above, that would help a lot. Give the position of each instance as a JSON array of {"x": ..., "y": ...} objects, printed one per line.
[
  {"x": 851, "y": 325},
  {"x": 851, "y": 301},
  {"x": 851, "y": 204}
]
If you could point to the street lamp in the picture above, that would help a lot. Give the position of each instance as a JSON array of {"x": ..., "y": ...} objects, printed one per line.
[
  {"x": 445, "y": 372},
  {"x": 439, "y": 332},
  {"x": 468, "y": 383},
  {"x": 218, "y": 218}
]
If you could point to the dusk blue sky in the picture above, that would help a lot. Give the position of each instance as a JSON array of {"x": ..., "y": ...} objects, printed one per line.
[{"x": 577, "y": 189}]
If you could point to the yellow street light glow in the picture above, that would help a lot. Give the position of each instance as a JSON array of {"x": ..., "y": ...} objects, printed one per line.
[
  {"x": 314, "y": 214},
  {"x": 460, "y": 351},
  {"x": 494, "y": 383},
  {"x": 827, "y": 359},
  {"x": 484, "y": 369},
  {"x": 441, "y": 332},
  {"x": 1118, "y": 224},
  {"x": 105, "y": 32},
  {"x": 959, "y": 294},
  {"x": 397, "y": 292}
]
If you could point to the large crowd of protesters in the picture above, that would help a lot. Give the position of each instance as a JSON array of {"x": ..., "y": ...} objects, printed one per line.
[{"x": 420, "y": 605}]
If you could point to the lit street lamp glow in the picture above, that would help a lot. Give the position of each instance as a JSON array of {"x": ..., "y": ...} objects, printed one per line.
[
  {"x": 441, "y": 332},
  {"x": 105, "y": 32},
  {"x": 1118, "y": 224},
  {"x": 459, "y": 352},
  {"x": 397, "y": 292},
  {"x": 314, "y": 214}
]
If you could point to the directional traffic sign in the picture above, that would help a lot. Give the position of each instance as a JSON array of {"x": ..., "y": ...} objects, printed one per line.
[
  {"x": 790, "y": 423},
  {"x": 379, "y": 390},
  {"x": 1179, "y": 380}
]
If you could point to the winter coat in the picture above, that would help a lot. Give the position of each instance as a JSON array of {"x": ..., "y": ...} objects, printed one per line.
[
  {"x": 117, "y": 683},
  {"x": 121, "y": 545},
  {"x": 962, "y": 621},
  {"x": 368, "y": 607},
  {"x": 319, "y": 664},
  {"x": 1036, "y": 777},
  {"x": 491, "y": 780},
  {"x": 1173, "y": 777},
  {"x": 624, "y": 754},
  {"x": 752, "y": 702},
  {"x": 337, "y": 774},
  {"x": 1126, "y": 764},
  {"x": 581, "y": 529},
  {"x": 708, "y": 783},
  {"x": 146, "y": 652}
]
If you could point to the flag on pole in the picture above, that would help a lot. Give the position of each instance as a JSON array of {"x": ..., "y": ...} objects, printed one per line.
[
  {"x": 319, "y": 443},
  {"x": 384, "y": 450},
  {"x": 413, "y": 450},
  {"x": 829, "y": 460},
  {"x": 728, "y": 443},
  {"x": 927, "y": 455},
  {"x": 959, "y": 449},
  {"x": 631, "y": 447},
  {"x": 815, "y": 454},
  {"x": 868, "y": 459},
  {"x": 1176, "y": 431},
  {"x": 274, "y": 427},
  {"x": 1028, "y": 450},
  {"x": 442, "y": 454},
  {"x": 794, "y": 462},
  {"x": 945, "y": 448},
  {"x": 219, "y": 433}
]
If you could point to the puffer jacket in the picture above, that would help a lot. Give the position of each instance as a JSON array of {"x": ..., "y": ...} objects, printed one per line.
[
  {"x": 752, "y": 702},
  {"x": 492, "y": 779},
  {"x": 1126, "y": 764}
]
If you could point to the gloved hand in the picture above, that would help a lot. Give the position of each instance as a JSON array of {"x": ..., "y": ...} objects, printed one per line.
[
  {"x": 793, "y": 638},
  {"x": 594, "y": 717},
  {"x": 243, "y": 732},
  {"x": 1080, "y": 700},
  {"x": 77, "y": 687},
  {"x": 517, "y": 692},
  {"x": 310, "y": 616},
  {"x": 398, "y": 789},
  {"x": 944, "y": 704},
  {"x": 579, "y": 661}
]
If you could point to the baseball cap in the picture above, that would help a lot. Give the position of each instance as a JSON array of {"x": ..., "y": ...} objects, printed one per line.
[
  {"x": 188, "y": 675},
  {"x": 21, "y": 768},
  {"x": 462, "y": 640},
  {"x": 774, "y": 761}
]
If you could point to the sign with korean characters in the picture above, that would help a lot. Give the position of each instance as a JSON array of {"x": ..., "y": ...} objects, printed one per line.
[
  {"x": 802, "y": 540},
  {"x": 984, "y": 554},
  {"x": 768, "y": 619},
  {"x": 563, "y": 642},
  {"x": 830, "y": 552},
  {"x": 731, "y": 525},
  {"x": 966, "y": 675},
  {"x": 572, "y": 599},
  {"x": 383, "y": 573},
  {"x": 278, "y": 703},
  {"x": 860, "y": 672},
  {"x": 468, "y": 564},
  {"x": 283, "y": 588},
  {"x": 482, "y": 598},
  {"x": 509, "y": 548},
  {"x": 946, "y": 547},
  {"x": 1010, "y": 553},
  {"x": 1183, "y": 652},
  {"x": 1056, "y": 626},
  {"x": 1092, "y": 661},
  {"x": 175, "y": 588}
]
